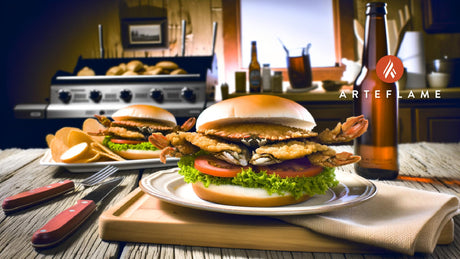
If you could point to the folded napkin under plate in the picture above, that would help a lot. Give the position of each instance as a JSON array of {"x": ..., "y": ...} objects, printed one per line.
[{"x": 397, "y": 218}]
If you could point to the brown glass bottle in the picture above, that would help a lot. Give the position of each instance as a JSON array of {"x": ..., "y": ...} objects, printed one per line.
[
  {"x": 255, "y": 79},
  {"x": 378, "y": 147}
]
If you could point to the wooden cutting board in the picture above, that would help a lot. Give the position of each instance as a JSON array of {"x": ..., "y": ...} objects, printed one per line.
[{"x": 143, "y": 218}]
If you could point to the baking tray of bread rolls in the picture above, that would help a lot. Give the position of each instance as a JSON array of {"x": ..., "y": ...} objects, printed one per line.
[{"x": 121, "y": 69}]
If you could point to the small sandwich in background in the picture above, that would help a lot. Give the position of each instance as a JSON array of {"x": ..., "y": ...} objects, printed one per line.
[{"x": 127, "y": 135}]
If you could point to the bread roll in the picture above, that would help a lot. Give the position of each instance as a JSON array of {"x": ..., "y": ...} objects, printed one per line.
[
  {"x": 153, "y": 70},
  {"x": 123, "y": 67},
  {"x": 86, "y": 71},
  {"x": 178, "y": 71},
  {"x": 146, "y": 113},
  {"x": 135, "y": 65},
  {"x": 138, "y": 154},
  {"x": 114, "y": 71},
  {"x": 243, "y": 196},
  {"x": 130, "y": 73},
  {"x": 167, "y": 65},
  {"x": 256, "y": 108}
]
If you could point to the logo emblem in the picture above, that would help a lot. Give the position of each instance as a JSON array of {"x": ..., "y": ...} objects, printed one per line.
[{"x": 390, "y": 69}]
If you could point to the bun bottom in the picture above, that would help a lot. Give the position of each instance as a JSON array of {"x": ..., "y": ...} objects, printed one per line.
[
  {"x": 242, "y": 196},
  {"x": 138, "y": 154}
]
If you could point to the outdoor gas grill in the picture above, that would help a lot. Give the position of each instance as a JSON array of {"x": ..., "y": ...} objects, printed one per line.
[{"x": 72, "y": 96}]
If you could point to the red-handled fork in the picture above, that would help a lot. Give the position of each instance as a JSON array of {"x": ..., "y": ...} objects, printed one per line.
[{"x": 32, "y": 197}]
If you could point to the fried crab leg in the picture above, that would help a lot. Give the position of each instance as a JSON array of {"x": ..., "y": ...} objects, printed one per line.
[
  {"x": 106, "y": 122},
  {"x": 174, "y": 144},
  {"x": 352, "y": 128},
  {"x": 186, "y": 126},
  {"x": 333, "y": 159}
]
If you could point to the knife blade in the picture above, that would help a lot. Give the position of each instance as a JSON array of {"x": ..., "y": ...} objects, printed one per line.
[{"x": 63, "y": 224}]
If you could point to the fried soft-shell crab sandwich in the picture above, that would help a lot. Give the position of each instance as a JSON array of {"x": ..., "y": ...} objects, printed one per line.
[
  {"x": 128, "y": 132},
  {"x": 268, "y": 134}
]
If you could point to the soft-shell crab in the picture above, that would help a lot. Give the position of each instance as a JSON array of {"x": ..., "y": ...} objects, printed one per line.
[
  {"x": 262, "y": 144},
  {"x": 185, "y": 143},
  {"x": 141, "y": 129}
]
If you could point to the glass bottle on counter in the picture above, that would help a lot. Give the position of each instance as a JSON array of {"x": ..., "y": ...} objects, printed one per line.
[
  {"x": 277, "y": 82},
  {"x": 255, "y": 80},
  {"x": 266, "y": 78},
  {"x": 378, "y": 147}
]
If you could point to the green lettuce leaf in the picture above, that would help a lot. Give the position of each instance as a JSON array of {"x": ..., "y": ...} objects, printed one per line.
[
  {"x": 120, "y": 147},
  {"x": 296, "y": 186}
]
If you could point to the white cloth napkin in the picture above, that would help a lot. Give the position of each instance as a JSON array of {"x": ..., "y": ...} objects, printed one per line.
[{"x": 397, "y": 218}]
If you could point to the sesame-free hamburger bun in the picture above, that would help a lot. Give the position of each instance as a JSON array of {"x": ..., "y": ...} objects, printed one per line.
[
  {"x": 256, "y": 108},
  {"x": 134, "y": 154},
  {"x": 242, "y": 196},
  {"x": 145, "y": 112}
]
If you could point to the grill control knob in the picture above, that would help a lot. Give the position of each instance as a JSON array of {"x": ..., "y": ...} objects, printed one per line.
[
  {"x": 188, "y": 94},
  {"x": 65, "y": 95},
  {"x": 126, "y": 95},
  {"x": 95, "y": 95},
  {"x": 157, "y": 95}
]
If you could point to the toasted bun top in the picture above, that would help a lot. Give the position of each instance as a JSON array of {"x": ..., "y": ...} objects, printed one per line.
[
  {"x": 145, "y": 112},
  {"x": 256, "y": 108}
]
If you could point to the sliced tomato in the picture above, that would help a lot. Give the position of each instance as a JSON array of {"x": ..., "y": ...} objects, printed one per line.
[
  {"x": 126, "y": 141},
  {"x": 292, "y": 168},
  {"x": 216, "y": 167}
]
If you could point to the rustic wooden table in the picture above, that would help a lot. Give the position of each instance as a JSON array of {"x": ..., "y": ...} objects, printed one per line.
[{"x": 20, "y": 170}]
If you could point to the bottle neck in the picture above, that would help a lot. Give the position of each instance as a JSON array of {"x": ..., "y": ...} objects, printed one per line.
[
  {"x": 375, "y": 40},
  {"x": 254, "y": 53}
]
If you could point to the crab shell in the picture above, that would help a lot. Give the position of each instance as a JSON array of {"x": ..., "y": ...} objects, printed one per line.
[
  {"x": 258, "y": 132},
  {"x": 257, "y": 117}
]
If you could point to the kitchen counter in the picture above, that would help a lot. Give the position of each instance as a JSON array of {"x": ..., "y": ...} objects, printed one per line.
[
  {"x": 435, "y": 166},
  {"x": 345, "y": 96},
  {"x": 424, "y": 114}
]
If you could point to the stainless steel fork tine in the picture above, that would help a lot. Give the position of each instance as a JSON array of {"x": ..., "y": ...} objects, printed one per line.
[
  {"x": 90, "y": 179},
  {"x": 100, "y": 175},
  {"x": 109, "y": 171},
  {"x": 105, "y": 174}
]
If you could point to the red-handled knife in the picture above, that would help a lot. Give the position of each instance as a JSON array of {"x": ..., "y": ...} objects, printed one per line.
[
  {"x": 68, "y": 221},
  {"x": 40, "y": 194},
  {"x": 37, "y": 195}
]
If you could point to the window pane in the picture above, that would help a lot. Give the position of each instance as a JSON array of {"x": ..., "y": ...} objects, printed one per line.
[{"x": 295, "y": 22}]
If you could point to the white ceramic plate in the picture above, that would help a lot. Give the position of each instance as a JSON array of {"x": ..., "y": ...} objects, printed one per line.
[
  {"x": 169, "y": 186},
  {"x": 122, "y": 165}
]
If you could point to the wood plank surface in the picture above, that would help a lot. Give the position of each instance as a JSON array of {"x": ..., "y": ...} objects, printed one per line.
[
  {"x": 432, "y": 166},
  {"x": 199, "y": 16},
  {"x": 16, "y": 229}
]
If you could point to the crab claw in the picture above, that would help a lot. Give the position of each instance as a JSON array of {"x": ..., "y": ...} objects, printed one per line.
[
  {"x": 174, "y": 144},
  {"x": 339, "y": 159},
  {"x": 355, "y": 126},
  {"x": 351, "y": 129},
  {"x": 166, "y": 152},
  {"x": 159, "y": 141},
  {"x": 188, "y": 124},
  {"x": 103, "y": 120}
]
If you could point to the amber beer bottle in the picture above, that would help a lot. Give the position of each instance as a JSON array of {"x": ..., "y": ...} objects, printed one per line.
[
  {"x": 378, "y": 147},
  {"x": 255, "y": 79}
]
